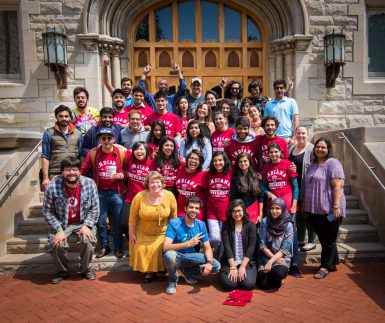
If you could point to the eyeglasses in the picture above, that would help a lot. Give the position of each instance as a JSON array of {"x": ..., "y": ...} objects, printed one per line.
[
  {"x": 106, "y": 138},
  {"x": 235, "y": 88},
  {"x": 194, "y": 158}
]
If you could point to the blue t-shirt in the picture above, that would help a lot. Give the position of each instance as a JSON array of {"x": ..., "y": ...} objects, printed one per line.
[
  {"x": 284, "y": 110},
  {"x": 180, "y": 232}
]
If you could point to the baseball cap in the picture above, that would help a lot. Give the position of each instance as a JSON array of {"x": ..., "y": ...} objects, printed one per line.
[
  {"x": 196, "y": 79},
  {"x": 105, "y": 131}
]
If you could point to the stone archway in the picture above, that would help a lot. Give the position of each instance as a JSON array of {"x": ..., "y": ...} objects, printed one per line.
[{"x": 105, "y": 25}]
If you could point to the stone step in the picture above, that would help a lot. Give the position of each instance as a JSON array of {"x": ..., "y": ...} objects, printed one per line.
[
  {"x": 357, "y": 233},
  {"x": 42, "y": 262},
  {"x": 24, "y": 264},
  {"x": 349, "y": 252},
  {"x": 35, "y": 243},
  {"x": 355, "y": 216},
  {"x": 33, "y": 226},
  {"x": 352, "y": 202},
  {"x": 35, "y": 210}
]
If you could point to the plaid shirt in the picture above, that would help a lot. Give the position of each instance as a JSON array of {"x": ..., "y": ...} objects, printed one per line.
[{"x": 55, "y": 207}]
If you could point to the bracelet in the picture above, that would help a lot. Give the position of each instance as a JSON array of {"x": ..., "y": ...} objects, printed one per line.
[
  {"x": 336, "y": 206},
  {"x": 233, "y": 268}
]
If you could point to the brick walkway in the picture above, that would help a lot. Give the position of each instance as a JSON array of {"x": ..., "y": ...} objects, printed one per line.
[{"x": 356, "y": 293}]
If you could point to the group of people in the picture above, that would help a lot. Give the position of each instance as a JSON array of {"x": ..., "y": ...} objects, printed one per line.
[{"x": 196, "y": 185}]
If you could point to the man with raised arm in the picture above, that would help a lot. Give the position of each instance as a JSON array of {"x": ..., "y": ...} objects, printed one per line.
[
  {"x": 125, "y": 84},
  {"x": 163, "y": 87},
  {"x": 181, "y": 248}
]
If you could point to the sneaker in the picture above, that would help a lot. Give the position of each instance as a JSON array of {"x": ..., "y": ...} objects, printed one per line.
[
  {"x": 58, "y": 278},
  {"x": 188, "y": 279},
  {"x": 90, "y": 275},
  {"x": 171, "y": 288}
]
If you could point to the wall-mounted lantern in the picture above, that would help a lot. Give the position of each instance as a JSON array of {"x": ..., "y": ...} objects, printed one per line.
[
  {"x": 55, "y": 55},
  {"x": 334, "y": 46}
]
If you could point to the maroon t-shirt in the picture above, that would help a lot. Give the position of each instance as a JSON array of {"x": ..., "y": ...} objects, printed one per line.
[
  {"x": 190, "y": 184},
  {"x": 220, "y": 139},
  {"x": 136, "y": 174},
  {"x": 146, "y": 111},
  {"x": 234, "y": 148},
  {"x": 171, "y": 121},
  {"x": 105, "y": 161},
  {"x": 168, "y": 173},
  {"x": 73, "y": 198},
  {"x": 263, "y": 144},
  {"x": 121, "y": 118},
  {"x": 278, "y": 178},
  {"x": 218, "y": 195}
]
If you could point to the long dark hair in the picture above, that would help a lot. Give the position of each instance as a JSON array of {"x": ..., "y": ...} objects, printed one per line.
[
  {"x": 229, "y": 217},
  {"x": 233, "y": 110},
  {"x": 174, "y": 158},
  {"x": 189, "y": 139},
  {"x": 137, "y": 145},
  {"x": 329, "y": 146},
  {"x": 248, "y": 183},
  {"x": 228, "y": 89},
  {"x": 276, "y": 146},
  {"x": 151, "y": 138},
  {"x": 177, "y": 111},
  {"x": 226, "y": 159}
]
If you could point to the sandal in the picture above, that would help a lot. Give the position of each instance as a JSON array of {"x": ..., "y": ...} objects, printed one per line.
[
  {"x": 147, "y": 278},
  {"x": 321, "y": 274}
]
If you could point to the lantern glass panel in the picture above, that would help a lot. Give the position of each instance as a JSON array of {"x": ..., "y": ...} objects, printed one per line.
[
  {"x": 60, "y": 50},
  {"x": 51, "y": 49}
]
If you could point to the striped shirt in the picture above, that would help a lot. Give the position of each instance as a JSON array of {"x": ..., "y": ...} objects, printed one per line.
[{"x": 238, "y": 255}]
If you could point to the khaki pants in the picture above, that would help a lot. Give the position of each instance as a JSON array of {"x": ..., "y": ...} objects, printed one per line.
[{"x": 60, "y": 252}]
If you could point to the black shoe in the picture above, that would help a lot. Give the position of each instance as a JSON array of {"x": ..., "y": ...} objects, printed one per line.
[
  {"x": 103, "y": 252},
  {"x": 58, "y": 278},
  {"x": 119, "y": 253},
  {"x": 90, "y": 275},
  {"x": 294, "y": 271}
]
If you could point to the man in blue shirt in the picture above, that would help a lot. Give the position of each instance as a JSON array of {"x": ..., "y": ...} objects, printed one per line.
[
  {"x": 183, "y": 237},
  {"x": 163, "y": 87},
  {"x": 285, "y": 110}
]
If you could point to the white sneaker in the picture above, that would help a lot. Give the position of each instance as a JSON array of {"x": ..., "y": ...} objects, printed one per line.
[
  {"x": 188, "y": 279},
  {"x": 171, "y": 288}
]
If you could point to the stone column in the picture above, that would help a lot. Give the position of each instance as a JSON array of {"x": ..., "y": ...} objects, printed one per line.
[
  {"x": 278, "y": 65},
  {"x": 104, "y": 53},
  {"x": 289, "y": 68},
  {"x": 115, "y": 69}
]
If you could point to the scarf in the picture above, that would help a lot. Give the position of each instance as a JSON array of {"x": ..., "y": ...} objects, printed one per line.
[{"x": 277, "y": 227}]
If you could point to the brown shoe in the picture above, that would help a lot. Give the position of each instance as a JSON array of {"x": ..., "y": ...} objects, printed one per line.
[
  {"x": 103, "y": 252},
  {"x": 119, "y": 253}
]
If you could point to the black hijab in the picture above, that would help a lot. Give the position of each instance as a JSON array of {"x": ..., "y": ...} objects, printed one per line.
[{"x": 277, "y": 227}]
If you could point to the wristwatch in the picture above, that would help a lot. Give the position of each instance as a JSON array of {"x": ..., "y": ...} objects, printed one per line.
[{"x": 209, "y": 262}]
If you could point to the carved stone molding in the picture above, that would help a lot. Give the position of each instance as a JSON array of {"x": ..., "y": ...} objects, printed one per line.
[
  {"x": 297, "y": 43},
  {"x": 103, "y": 44}
]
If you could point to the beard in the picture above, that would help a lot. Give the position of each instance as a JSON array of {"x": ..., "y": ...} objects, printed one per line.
[
  {"x": 63, "y": 123},
  {"x": 127, "y": 92},
  {"x": 71, "y": 181},
  {"x": 107, "y": 124}
]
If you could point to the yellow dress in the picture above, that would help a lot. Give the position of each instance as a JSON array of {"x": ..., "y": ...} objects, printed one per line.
[{"x": 150, "y": 223}]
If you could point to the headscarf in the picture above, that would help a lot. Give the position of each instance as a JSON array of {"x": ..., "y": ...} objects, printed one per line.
[{"x": 277, "y": 227}]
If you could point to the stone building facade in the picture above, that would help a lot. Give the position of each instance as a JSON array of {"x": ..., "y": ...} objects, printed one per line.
[{"x": 293, "y": 33}]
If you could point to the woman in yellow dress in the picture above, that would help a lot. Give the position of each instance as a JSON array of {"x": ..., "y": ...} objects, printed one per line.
[{"x": 151, "y": 209}]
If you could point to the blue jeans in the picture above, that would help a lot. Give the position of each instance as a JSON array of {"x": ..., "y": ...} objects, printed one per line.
[
  {"x": 110, "y": 200},
  {"x": 189, "y": 262}
]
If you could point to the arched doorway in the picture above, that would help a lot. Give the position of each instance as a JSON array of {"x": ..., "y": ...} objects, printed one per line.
[{"x": 209, "y": 39}]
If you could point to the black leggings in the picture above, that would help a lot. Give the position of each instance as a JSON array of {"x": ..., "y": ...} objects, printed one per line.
[
  {"x": 272, "y": 279},
  {"x": 247, "y": 284},
  {"x": 124, "y": 218},
  {"x": 327, "y": 233}
]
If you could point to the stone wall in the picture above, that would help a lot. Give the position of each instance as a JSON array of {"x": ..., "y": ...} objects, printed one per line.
[
  {"x": 339, "y": 107},
  {"x": 29, "y": 104}
]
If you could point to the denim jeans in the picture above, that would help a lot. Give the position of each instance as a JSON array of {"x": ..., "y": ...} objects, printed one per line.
[
  {"x": 111, "y": 201},
  {"x": 189, "y": 262}
]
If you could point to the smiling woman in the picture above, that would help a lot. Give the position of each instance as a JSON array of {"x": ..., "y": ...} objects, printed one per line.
[{"x": 150, "y": 212}]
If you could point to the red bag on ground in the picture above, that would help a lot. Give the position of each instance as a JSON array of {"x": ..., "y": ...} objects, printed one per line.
[{"x": 238, "y": 298}]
